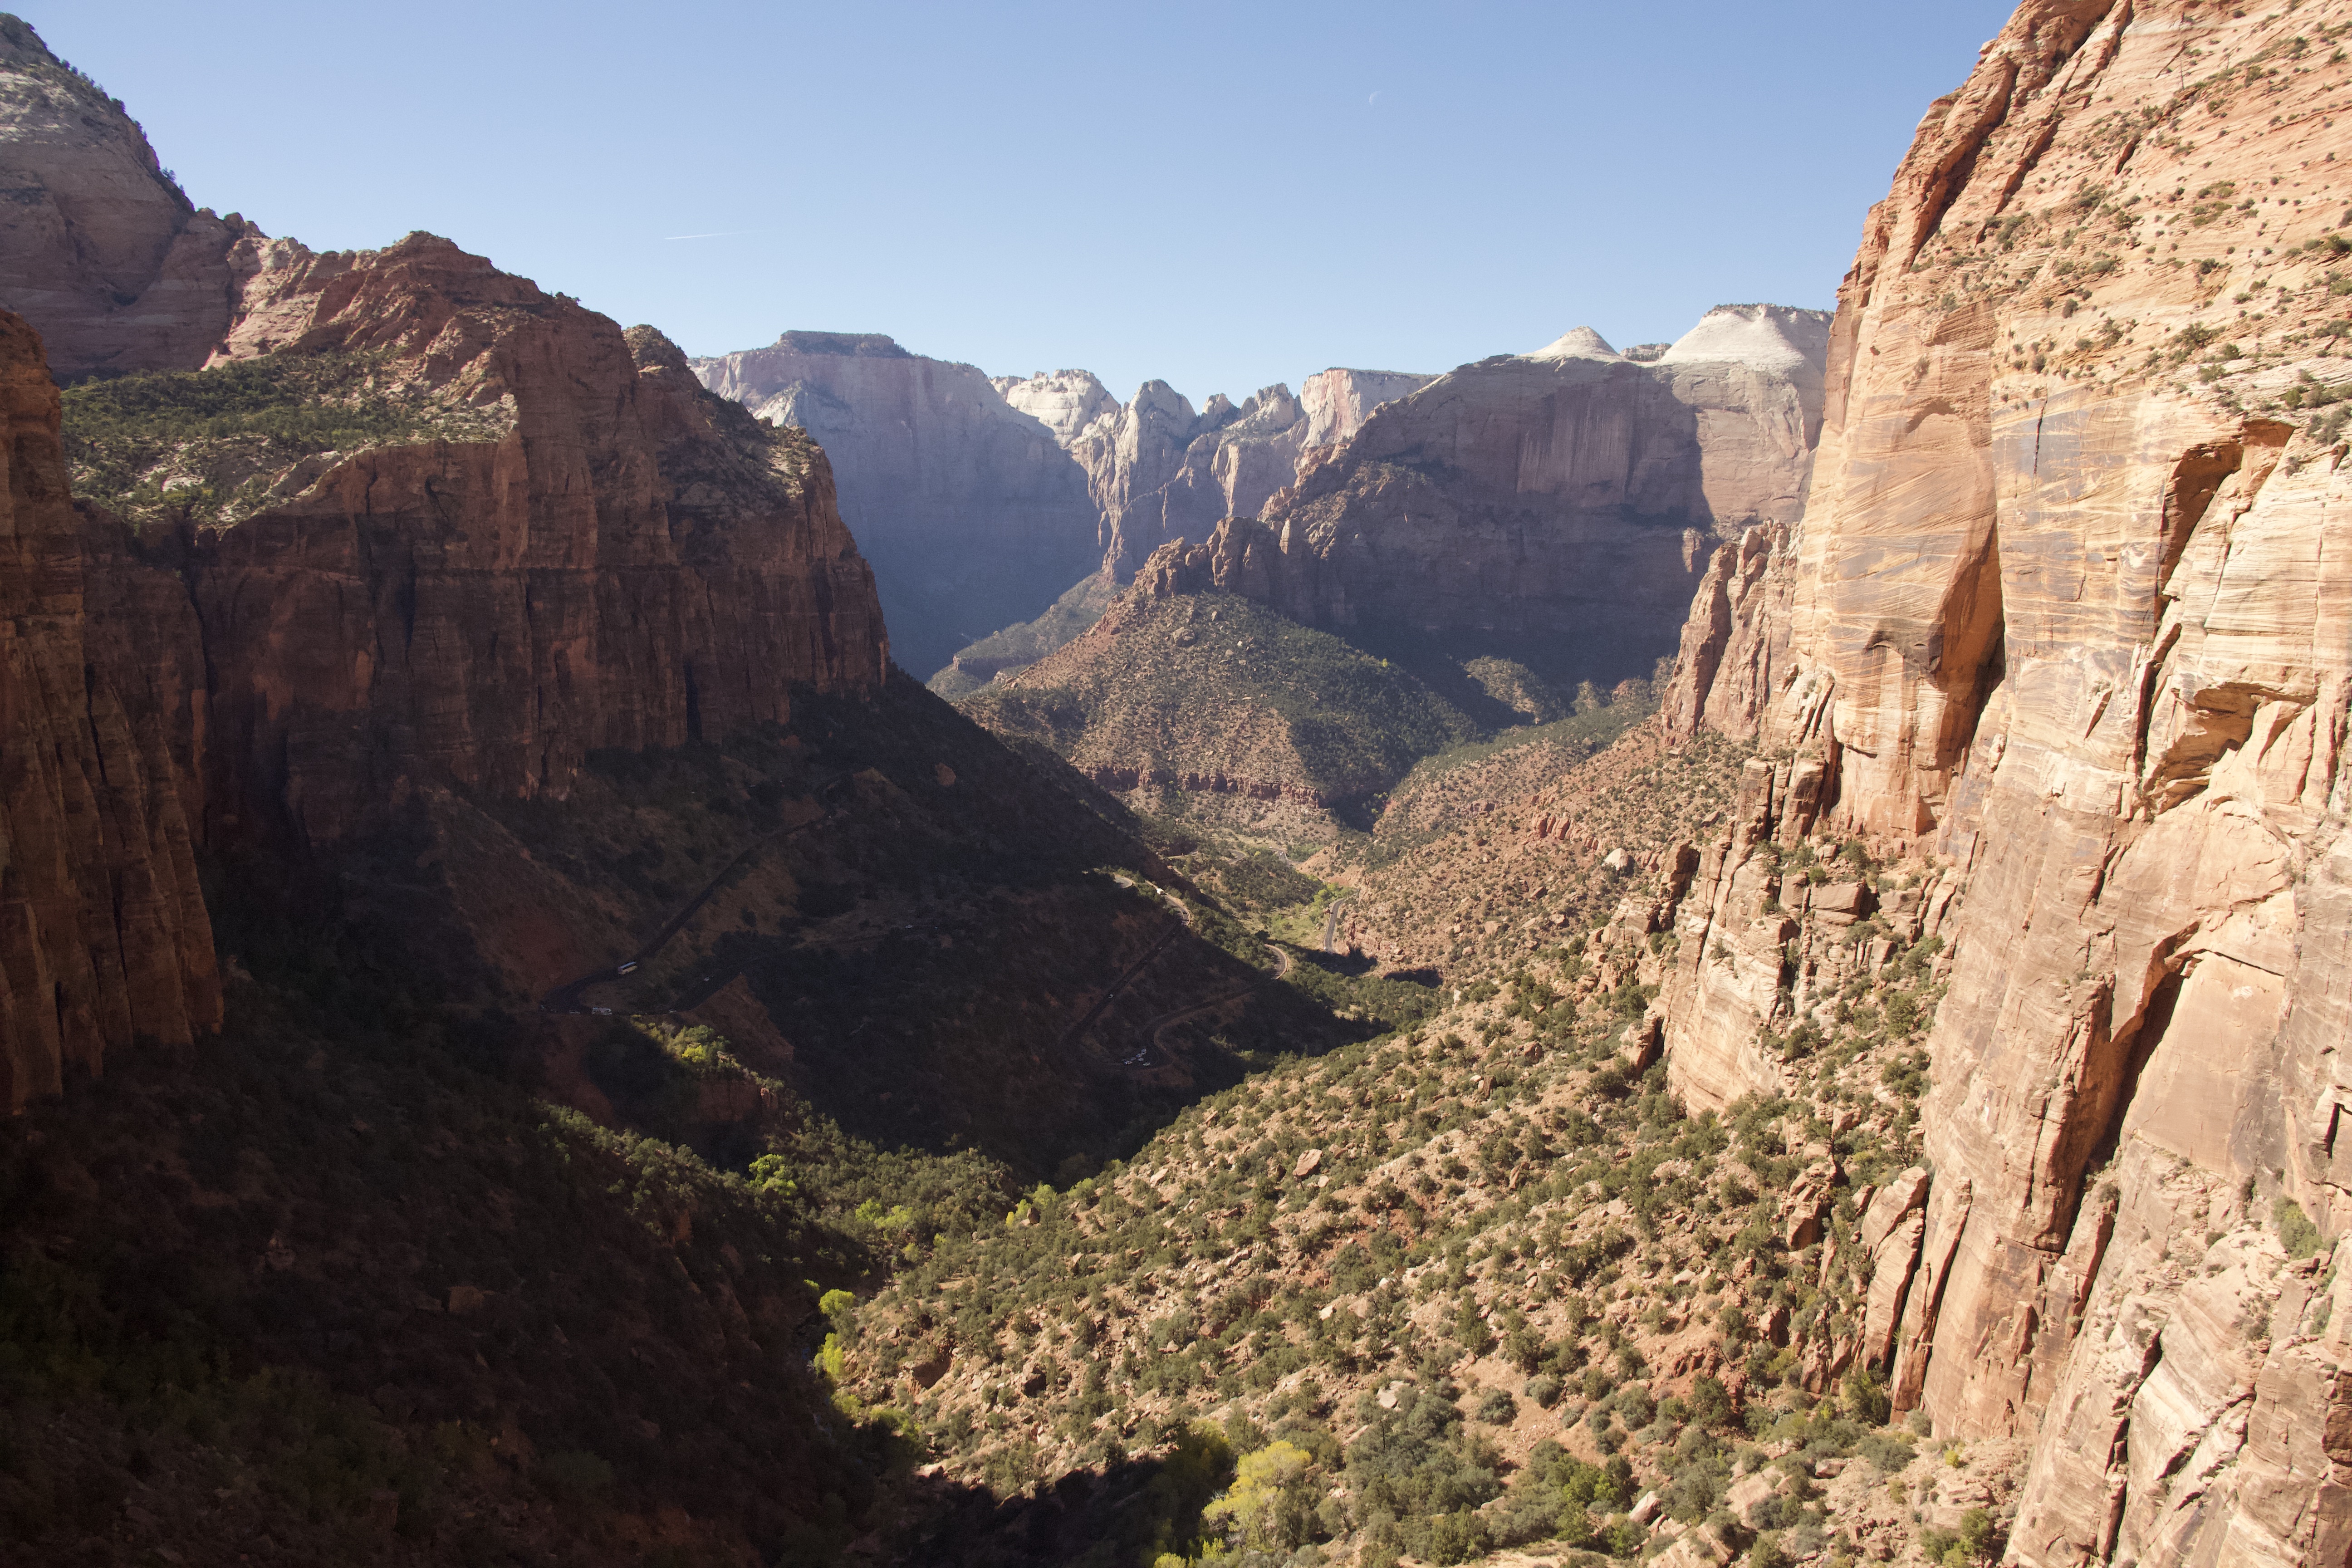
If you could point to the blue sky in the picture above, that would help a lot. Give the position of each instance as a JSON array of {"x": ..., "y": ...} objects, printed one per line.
[{"x": 1221, "y": 196}]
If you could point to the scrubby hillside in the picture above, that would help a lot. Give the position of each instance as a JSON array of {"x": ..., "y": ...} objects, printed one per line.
[
  {"x": 1017, "y": 646},
  {"x": 1483, "y": 1283},
  {"x": 1212, "y": 693}
]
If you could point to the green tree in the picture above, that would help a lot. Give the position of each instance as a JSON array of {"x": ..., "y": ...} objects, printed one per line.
[{"x": 1270, "y": 1506}]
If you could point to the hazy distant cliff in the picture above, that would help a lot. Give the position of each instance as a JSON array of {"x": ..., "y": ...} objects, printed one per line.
[
  {"x": 99, "y": 250},
  {"x": 1569, "y": 493},
  {"x": 971, "y": 511}
]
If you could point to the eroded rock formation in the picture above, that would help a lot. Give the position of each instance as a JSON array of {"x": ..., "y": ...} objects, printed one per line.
[
  {"x": 1158, "y": 471},
  {"x": 973, "y": 513},
  {"x": 2070, "y": 608},
  {"x": 1569, "y": 493},
  {"x": 603, "y": 555},
  {"x": 104, "y": 935},
  {"x": 99, "y": 249},
  {"x": 630, "y": 564}
]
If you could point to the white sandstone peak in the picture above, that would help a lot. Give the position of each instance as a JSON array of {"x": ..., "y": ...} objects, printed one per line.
[
  {"x": 1780, "y": 339},
  {"x": 1577, "y": 342}
]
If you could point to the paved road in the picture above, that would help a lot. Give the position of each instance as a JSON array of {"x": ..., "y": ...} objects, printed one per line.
[
  {"x": 1153, "y": 1030},
  {"x": 565, "y": 998},
  {"x": 1332, "y": 924}
]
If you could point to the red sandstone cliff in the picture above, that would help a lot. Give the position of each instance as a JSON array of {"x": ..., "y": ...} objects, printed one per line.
[
  {"x": 2071, "y": 606},
  {"x": 634, "y": 563},
  {"x": 606, "y": 556},
  {"x": 103, "y": 937}
]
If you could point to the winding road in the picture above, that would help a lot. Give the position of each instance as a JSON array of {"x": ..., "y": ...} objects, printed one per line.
[{"x": 1166, "y": 1021}]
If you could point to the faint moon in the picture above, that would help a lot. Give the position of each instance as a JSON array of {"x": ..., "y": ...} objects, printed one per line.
[{"x": 1373, "y": 100}]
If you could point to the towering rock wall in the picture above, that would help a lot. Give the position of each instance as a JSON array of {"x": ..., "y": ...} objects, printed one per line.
[
  {"x": 2071, "y": 609},
  {"x": 1337, "y": 402},
  {"x": 979, "y": 501},
  {"x": 1569, "y": 493},
  {"x": 611, "y": 558},
  {"x": 973, "y": 513},
  {"x": 1158, "y": 471},
  {"x": 103, "y": 936},
  {"x": 99, "y": 250},
  {"x": 631, "y": 564}
]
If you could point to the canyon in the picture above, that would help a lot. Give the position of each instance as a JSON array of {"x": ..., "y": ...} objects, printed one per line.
[
  {"x": 1501, "y": 497},
  {"x": 1889, "y": 1103}
]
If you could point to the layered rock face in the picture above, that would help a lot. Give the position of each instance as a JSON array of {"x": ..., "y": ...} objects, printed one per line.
[
  {"x": 973, "y": 513},
  {"x": 99, "y": 250},
  {"x": 982, "y": 500},
  {"x": 622, "y": 568},
  {"x": 2070, "y": 607},
  {"x": 104, "y": 935},
  {"x": 1569, "y": 493}
]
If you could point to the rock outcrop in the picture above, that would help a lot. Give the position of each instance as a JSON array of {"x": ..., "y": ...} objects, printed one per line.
[
  {"x": 2070, "y": 607},
  {"x": 103, "y": 934},
  {"x": 1337, "y": 401},
  {"x": 1158, "y": 471},
  {"x": 632, "y": 564},
  {"x": 1569, "y": 493},
  {"x": 973, "y": 513},
  {"x": 982, "y": 500},
  {"x": 609, "y": 557},
  {"x": 99, "y": 249}
]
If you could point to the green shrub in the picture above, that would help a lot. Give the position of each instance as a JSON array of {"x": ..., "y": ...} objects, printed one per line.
[{"x": 2297, "y": 1233}]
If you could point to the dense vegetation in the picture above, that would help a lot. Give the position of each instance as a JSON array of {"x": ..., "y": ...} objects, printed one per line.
[{"x": 214, "y": 446}]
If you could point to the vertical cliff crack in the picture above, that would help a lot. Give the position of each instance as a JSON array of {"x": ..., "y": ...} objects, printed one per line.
[{"x": 2197, "y": 478}]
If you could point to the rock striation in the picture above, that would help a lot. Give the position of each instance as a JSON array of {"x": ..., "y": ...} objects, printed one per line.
[
  {"x": 103, "y": 934},
  {"x": 99, "y": 249},
  {"x": 974, "y": 515},
  {"x": 2068, "y": 608},
  {"x": 1159, "y": 470},
  {"x": 979, "y": 501}
]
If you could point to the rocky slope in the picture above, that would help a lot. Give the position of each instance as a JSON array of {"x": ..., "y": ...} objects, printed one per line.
[
  {"x": 974, "y": 516},
  {"x": 1208, "y": 693},
  {"x": 2066, "y": 610},
  {"x": 99, "y": 249},
  {"x": 101, "y": 689}
]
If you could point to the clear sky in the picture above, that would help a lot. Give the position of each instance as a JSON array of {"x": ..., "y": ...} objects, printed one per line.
[{"x": 1221, "y": 196}]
